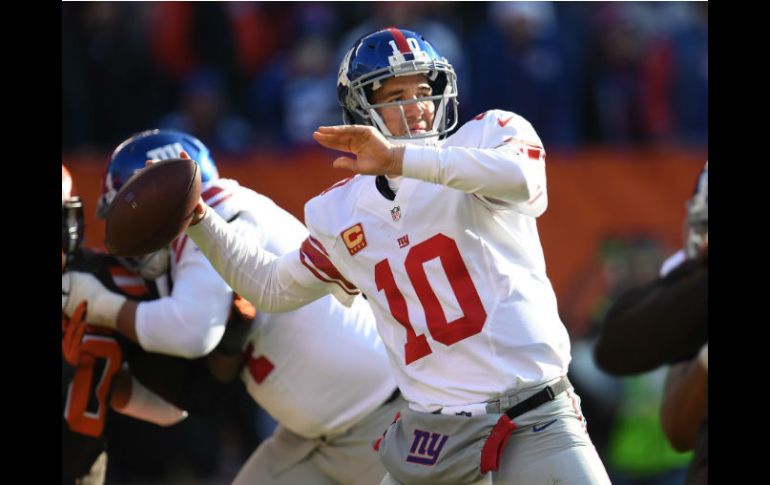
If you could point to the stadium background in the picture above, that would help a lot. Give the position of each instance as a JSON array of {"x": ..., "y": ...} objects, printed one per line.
[{"x": 617, "y": 92}]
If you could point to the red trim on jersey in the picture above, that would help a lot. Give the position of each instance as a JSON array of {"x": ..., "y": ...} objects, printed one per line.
[
  {"x": 304, "y": 259},
  {"x": 227, "y": 196},
  {"x": 577, "y": 410},
  {"x": 260, "y": 368},
  {"x": 401, "y": 42},
  {"x": 317, "y": 262},
  {"x": 339, "y": 183},
  {"x": 532, "y": 201},
  {"x": 179, "y": 248},
  {"x": 175, "y": 243},
  {"x": 318, "y": 245},
  {"x": 326, "y": 280},
  {"x": 211, "y": 192},
  {"x": 533, "y": 153},
  {"x": 480, "y": 116},
  {"x": 324, "y": 264}
]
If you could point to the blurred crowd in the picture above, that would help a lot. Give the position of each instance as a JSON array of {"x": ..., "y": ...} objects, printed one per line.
[{"x": 241, "y": 75}]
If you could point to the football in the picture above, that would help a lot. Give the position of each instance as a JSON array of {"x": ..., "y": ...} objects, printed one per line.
[{"x": 153, "y": 207}]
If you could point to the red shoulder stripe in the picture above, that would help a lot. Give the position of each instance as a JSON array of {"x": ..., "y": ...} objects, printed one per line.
[{"x": 322, "y": 268}]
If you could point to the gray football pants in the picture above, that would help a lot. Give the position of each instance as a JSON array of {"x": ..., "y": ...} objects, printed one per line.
[
  {"x": 289, "y": 459},
  {"x": 550, "y": 445}
]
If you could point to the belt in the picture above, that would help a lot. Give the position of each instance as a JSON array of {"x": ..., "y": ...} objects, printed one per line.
[
  {"x": 503, "y": 405},
  {"x": 548, "y": 393}
]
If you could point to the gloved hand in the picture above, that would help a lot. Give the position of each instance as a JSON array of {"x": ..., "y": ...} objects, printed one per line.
[
  {"x": 103, "y": 305},
  {"x": 73, "y": 329}
]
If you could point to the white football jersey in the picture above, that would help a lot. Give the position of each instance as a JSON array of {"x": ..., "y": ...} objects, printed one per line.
[
  {"x": 452, "y": 266},
  {"x": 318, "y": 369},
  {"x": 456, "y": 279}
]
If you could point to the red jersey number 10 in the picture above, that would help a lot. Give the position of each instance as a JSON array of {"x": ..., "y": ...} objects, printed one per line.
[{"x": 448, "y": 333}]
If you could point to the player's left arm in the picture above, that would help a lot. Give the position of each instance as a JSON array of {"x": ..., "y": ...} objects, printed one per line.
[
  {"x": 504, "y": 163},
  {"x": 191, "y": 321},
  {"x": 506, "y": 170},
  {"x": 188, "y": 323}
]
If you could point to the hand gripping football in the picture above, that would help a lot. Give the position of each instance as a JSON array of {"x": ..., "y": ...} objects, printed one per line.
[{"x": 153, "y": 207}]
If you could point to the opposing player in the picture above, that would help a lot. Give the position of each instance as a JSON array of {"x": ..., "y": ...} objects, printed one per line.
[
  {"x": 666, "y": 322},
  {"x": 439, "y": 233},
  {"x": 94, "y": 371},
  {"x": 320, "y": 371}
]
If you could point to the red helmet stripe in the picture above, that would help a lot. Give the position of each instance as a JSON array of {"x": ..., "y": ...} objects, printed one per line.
[{"x": 403, "y": 46}]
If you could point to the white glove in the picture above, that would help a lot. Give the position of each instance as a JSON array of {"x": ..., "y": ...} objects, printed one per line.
[
  {"x": 703, "y": 356},
  {"x": 103, "y": 305}
]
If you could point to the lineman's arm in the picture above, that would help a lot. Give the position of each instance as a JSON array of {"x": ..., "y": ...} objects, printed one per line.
[
  {"x": 188, "y": 323},
  {"x": 685, "y": 401},
  {"x": 662, "y": 322}
]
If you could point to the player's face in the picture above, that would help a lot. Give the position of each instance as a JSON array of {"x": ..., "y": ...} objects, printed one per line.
[{"x": 419, "y": 115}]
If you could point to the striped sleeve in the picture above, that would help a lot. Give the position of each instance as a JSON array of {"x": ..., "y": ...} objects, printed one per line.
[
  {"x": 315, "y": 258},
  {"x": 271, "y": 283},
  {"x": 214, "y": 196}
]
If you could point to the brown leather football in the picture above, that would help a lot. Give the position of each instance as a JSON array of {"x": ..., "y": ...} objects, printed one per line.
[{"x": 153, "y": 207}]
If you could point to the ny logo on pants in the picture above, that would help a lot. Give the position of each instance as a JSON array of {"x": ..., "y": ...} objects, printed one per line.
[{"x": 426, "y": 447}]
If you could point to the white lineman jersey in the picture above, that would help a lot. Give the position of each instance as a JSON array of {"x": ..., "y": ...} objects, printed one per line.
[
  {"x": 317, "y": 370},
  {"x": 455, "y": 278}
]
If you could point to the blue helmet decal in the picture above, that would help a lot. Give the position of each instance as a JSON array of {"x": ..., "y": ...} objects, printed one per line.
[{"x": 132, "y": 154}]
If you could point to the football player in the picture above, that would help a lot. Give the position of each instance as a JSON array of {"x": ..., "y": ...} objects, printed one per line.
[{"x": 439, "y": 232}]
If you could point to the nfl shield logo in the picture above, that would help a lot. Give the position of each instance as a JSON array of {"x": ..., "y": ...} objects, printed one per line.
[{"x": 395, "y": 213}]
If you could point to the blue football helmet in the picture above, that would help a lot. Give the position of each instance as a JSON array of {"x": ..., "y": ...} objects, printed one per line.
[
  {"x": 132, "y": 154},
  {"x": 388, "y": 53},
  {"x": 130, "y": 157},
  {"x": 698, "y": 215}
]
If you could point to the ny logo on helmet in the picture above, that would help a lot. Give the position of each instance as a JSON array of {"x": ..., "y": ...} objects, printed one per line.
[{"x": 165, "y": 152}]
